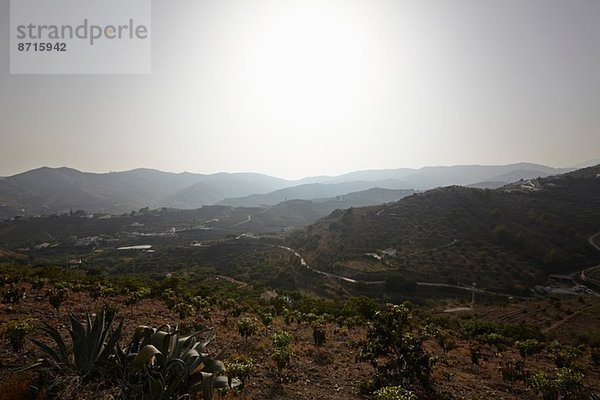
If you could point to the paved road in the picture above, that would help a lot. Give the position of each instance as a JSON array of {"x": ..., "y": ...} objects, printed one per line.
[
  {"x": 583, "y": 275},
  {"x": 591, "y": 240},
  {"x": 249, "y": 219},
  {"x": 343, "y": 278},
  {"x": 422, "y": 284}
]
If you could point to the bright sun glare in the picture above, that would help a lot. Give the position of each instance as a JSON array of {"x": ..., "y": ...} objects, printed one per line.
[{"x": 302, "y": 75}]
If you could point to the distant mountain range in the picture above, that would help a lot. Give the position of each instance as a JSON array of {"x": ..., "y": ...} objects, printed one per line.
[
  {"x": 55, "y": 190},
  {"x": 403, "y": 178},
  {"x": 298, "y": 213}
]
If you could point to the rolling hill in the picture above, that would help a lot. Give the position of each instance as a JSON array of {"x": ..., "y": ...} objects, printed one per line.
[
  {"x": 57, "y": 190},
  {"x": 310, "y": 191},
  {"x": 299, "y": 213},
  {"x": 502, "y": 239},
  {"x": 403, "y": 178},
  {"x": 46, "y": 191}
]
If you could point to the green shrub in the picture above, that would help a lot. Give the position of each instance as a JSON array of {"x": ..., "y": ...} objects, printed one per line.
[
  {"x": 529, "y": 347},
  {"x": 282, "y": 352},
  {"x": 135, "y": 297},
  {"x": 394, "y": 351},
  {"x": 563, "y": 355},
  {"x": 247, "y": 327},
  {"x": 56, "y": 297},
  {"x": 12, "y": 294},
  {"x": 170, "y": 298},
  {"x": 266, "y": 317},
  {"x": 241, "y": 368},
  {"x": 319, "y": 334},
  {"x": 282, "y": 339},
  {"x": 514, "y": 370},
  {"x": 287, "y": 316},
  {"x": 16, "y": 331},
  {"x": 475, "y": 328},
  {"x": 202, "y": 305},
  {"x": 38, "y": 283},
  {"x": 361, "y": 306},
  {"x": 495, "y": 339},
  {"x": 282, "y": 357},
  {"x": 567, "y": 384},
  {"x": 184, "y": 310},
  {"x": 446, "y": 341}
]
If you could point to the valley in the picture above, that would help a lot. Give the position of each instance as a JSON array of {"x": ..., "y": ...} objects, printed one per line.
[{"x": 486, "y": 276}]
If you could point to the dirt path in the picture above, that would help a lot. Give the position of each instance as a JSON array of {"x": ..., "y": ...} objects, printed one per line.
[{"x": 563, "y": 321}]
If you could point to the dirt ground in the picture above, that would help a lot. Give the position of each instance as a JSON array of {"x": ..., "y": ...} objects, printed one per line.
[{"x": 328, "y": 372}]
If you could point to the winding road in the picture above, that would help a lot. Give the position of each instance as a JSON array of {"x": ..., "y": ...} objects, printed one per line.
[
  {"x": 591, "y": 240},
  {"x": 249, "y": 219},
  {"x": 583, "y": 275},
  {"x": 422, "y": 284}
]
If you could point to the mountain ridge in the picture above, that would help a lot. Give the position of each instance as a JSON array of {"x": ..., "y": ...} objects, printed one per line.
[
  {"x": 47, "y": 190},
  {"x": 530, "y": 229}
]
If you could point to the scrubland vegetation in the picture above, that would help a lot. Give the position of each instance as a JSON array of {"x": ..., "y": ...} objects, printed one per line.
[
  {"x": 144, "y": 339},
  {"x": 227, "y": 315}
]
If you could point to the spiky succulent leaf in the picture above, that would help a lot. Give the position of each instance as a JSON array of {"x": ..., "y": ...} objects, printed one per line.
[
  {"x": 146, "y": 356},
  {"x": 49, "y": 351},
  {"x": 111, "y": 344},
  {"x": 212, "y": 366},
  {"x": 162, "y": 341},
  {"x": 58, "y": 339}
]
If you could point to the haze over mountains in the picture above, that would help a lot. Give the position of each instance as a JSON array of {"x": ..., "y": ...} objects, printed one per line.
[
  {"x": 508, "y": 239},
  {"x": 54, "y": 190}
]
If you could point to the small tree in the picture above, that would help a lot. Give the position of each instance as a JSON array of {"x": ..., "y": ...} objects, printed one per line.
[
  {"x": 38, "y": 283},
  {"x": 57, "y": 297},
  {"x": 282, "y": 351},
  {"x": 319, "y": 335},
  {"x": 266, "y": 318},
  {"x": 568, "y": 384},
  {"x": 13, "y": 294},
  {"x": 529, "y": 347},
  {"x": 394, "y": 351},
  {"x": 241, "y": 368},
  {"x": 16, "y": 331},
  {"x": 247, "y": 327},
  {"x": 184, "y": 310}
]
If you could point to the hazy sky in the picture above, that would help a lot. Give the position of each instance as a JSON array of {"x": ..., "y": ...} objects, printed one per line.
[{"x": 301, "y": 87}]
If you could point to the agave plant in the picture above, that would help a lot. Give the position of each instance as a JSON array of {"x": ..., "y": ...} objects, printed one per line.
[
  {"x": 92, "y": 343},
  {"x": 161, "y": 364}
]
